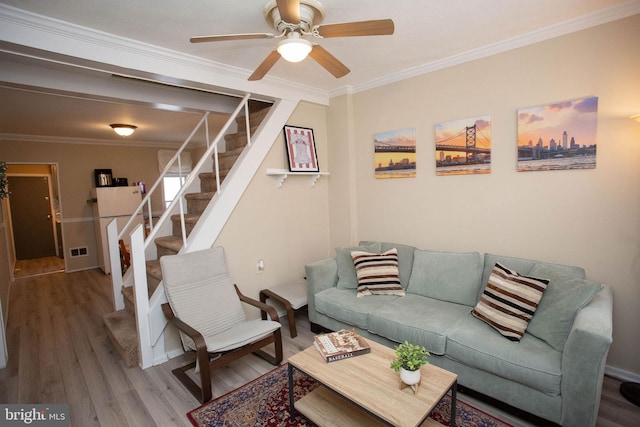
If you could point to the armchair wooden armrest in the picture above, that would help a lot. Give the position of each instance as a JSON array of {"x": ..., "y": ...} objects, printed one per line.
[
  {"x": 202, "y": 357},
  {"x": 184, "y": 277},
  {"x": 196, "y": 336},
  {"x": 273, "y": 314}
]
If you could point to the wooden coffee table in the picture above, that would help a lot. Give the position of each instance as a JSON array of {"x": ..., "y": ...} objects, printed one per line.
[{"x": 365, "y": 391}]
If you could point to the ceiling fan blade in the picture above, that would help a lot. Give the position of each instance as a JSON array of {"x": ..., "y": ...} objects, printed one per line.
[
  {"x": 380, "y": 27},
  {"x": 265, "y": 66},
  {"x": 289, "y": 10},
  {"x": 328, "y": 61},
  {"x": 227, "y": 37}
]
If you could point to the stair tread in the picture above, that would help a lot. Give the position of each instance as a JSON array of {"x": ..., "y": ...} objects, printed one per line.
[
  {"x": 255, "y": 116},
  {"x": 171, "y": 242},
  {"x": 154, "y": 269},
  {"x": 200, "y": 196},
  {"x": 121, "y": 326},
  {"x": 187, "y": 217},
  {"x": 212, "y": 175},
  {"x": 127, "y": 291},
  {"x": 232, "y": 152}
]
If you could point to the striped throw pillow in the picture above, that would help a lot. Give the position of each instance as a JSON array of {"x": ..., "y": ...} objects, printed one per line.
[
  {"x": 377, "y": 273},
  {"x": 509, "y": 301}
]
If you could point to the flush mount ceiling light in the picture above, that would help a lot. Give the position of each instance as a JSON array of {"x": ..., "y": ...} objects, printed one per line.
[
  {"x": 293, "y": 48},
  {"x": 123, "y": 130}
]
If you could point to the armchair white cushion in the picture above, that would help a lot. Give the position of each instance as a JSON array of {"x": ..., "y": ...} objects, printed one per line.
[{"x": 207, "y": 308}]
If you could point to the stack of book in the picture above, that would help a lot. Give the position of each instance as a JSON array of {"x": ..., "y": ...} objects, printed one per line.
[{"x": 340, "y": 345}]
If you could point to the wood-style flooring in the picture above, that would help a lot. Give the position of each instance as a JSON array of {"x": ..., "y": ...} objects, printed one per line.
[
  {"x": 38, "y": 266},
  {"x": 59, "y": 353}
]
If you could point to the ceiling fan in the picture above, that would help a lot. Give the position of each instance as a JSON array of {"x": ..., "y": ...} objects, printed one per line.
[{"x": 293, "y": 20}]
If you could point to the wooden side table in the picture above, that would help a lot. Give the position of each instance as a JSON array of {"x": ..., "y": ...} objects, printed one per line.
[{"x": 293, "y": 296}]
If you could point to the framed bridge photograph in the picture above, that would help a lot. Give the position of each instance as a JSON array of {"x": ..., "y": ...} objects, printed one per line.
[
  {"x": 558, "y": 136},
  {"x": 463, "y": 146},
  {"x": 395, "y": 154},
  {"x": 301, "y": 149}
]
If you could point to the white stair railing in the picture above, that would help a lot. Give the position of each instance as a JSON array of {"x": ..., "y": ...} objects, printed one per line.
[
  {"x": 150, "y": 330},
  {"x": 150, "y": 320},
  {"x": 117, "y": 279},
  {"x": 212, "y": 150}
]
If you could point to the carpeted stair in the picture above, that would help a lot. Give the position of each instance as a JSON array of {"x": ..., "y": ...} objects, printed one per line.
[{"x": 121, "y": 325}]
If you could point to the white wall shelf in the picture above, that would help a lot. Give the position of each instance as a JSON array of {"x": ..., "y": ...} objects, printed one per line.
[{"x": 282, "y": 174}]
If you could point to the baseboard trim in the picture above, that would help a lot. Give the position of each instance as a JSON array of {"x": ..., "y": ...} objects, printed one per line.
[
  {"x": 621, "y": 374},
  {"x": 160, "y": 360},
  {"x": 175, "y": 353},
  {"x": 81, "y": 269}
]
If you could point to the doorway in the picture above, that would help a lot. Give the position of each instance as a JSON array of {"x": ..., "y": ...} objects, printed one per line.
[
  {"x": 32, "y": 217},
  {"x": 35, "y": 223}
]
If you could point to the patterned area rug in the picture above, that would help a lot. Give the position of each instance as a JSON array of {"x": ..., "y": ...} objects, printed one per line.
[{"x": 265, "y": 402}]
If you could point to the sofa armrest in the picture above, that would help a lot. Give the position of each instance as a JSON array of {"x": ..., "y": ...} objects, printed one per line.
[
  {"x": 583, "y": 360},
  {"x": 321, "y": 275}
]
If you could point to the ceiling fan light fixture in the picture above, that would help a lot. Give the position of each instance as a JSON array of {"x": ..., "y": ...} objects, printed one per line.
[
  {"x": 294, "y": 48},
  {"x": 123, "y": 130}
]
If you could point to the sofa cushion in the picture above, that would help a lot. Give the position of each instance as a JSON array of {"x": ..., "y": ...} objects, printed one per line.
[
  {"x": 564, "y": 297},
  {"x": 343, "y": 305},
  {"x": 377, "y": 273},
  {"x": 521, "y": 265},
  {"x": 417, "y": 319},
  {"x": 530, "y": 361},
  {"x": 405, "y": 259},
  {"x": 447, "y": 276},
  {"x": 509, "y": 301},
  {"x": 346, "y": 271}
]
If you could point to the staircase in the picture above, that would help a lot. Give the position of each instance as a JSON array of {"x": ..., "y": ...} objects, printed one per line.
[{"x": 121, "y": 325}]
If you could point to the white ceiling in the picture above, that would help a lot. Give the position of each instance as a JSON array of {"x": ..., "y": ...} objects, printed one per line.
[{"x": 429, "y": 34}]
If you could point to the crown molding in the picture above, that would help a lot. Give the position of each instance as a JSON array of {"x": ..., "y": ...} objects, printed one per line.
[
  {"x": 94, "y": 48},
  {"x": 613, "y": 13},
  {"x": 130, "y": 143},
  {"x": 19, "y": 25}
]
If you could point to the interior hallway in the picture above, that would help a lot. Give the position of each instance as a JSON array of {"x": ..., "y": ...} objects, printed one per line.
[{"x": 38, "y": 266}]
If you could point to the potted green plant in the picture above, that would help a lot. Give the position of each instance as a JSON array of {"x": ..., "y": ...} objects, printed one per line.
[{"x": 408, "y": 362}]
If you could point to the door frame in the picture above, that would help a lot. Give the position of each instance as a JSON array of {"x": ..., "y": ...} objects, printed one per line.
[{"x": 54, "y": 171}]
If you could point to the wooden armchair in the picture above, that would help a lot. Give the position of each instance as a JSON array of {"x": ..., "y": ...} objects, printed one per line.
[{"x": 206, "y": 307}]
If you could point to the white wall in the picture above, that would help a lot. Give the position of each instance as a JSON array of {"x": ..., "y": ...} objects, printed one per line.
[
  {"x": 581, "y": 217},
  {"x": 76, "y": 163},
  {"x": 286, "y": 227}
]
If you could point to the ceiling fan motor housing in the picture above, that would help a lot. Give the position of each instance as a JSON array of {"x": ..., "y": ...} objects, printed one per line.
[{"x": 311, "y": 13}]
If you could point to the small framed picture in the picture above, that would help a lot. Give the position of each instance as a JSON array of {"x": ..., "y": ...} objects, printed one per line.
[{"x": 301, "y": 149}]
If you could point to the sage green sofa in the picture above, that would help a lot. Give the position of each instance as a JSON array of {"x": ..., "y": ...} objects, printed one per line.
[{"x": 554, "y": 372}]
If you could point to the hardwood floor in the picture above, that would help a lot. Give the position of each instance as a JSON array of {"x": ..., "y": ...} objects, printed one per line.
[
  {"x": 37, "y": 266},
  {"x": 59, "y": 353}
]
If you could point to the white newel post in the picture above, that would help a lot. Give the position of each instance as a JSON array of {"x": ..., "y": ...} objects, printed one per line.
[
  {"x": 114, "y": 261},
  {"x": 141, "y": 295}
]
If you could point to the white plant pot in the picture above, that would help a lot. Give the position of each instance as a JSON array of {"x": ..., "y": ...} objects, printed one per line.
[{"x": 410, "y": 377}]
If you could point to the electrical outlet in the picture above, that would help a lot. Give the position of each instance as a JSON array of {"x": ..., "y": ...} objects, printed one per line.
[{"x": 260, "y": 266}]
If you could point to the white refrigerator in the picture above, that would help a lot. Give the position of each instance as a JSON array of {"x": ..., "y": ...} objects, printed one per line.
[{"x": 113, "y": 203}]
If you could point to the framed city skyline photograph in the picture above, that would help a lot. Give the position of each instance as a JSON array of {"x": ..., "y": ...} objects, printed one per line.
[
  {"x": 395, "y": 154},
  {"x": 558, "y": 136},
  {"x": 463, "y": 146},
  {"x": 301, "y": 149}
]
